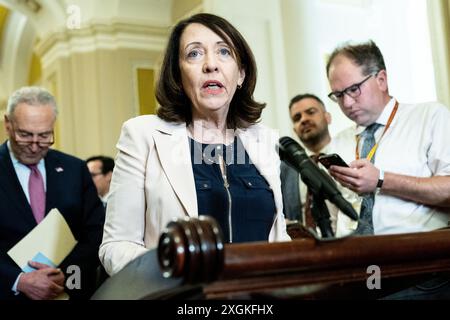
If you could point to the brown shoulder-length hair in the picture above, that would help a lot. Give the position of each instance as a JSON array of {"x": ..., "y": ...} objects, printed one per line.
[{"x": 175, "y": 105}]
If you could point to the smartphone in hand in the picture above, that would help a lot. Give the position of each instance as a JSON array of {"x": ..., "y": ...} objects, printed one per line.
[{"x": 328, "y": 160}]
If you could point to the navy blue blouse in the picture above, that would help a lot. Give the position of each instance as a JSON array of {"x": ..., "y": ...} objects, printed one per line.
[{"x": 241, "y": 201}]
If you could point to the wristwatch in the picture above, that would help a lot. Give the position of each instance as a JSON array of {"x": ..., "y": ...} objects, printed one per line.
[{"x": 380, "y": 179}]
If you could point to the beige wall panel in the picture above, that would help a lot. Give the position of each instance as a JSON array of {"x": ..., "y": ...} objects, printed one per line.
[
  {"x": 181, "y": 8},
  {"x": 86, "y": 103},
  {"x": 96, "y": 94},
  {"x": 57, "y": 80},
  {"x": 2, "y": 130}
]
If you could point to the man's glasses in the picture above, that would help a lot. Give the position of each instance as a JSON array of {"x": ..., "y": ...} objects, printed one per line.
[
  {"x": 25, "y": 138},
  {"x": 94, "y": 174},
  {"x": 353, "y": 91}
]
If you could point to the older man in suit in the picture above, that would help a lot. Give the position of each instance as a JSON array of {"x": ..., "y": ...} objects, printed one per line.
[{"x": 33, "y": 180}]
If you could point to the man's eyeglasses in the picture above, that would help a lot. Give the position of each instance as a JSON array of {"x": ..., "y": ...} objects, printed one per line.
[
  {"x": 353, "y": 91},
  {"x": 94, "y": 174},
  {"x": 25, "y": 138}
]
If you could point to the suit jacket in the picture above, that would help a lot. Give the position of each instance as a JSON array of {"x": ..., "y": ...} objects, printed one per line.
[
  {"x": 153, "y": 183},
  {"x": 69, "y": 189},
  {"x": 291, "y": 193}
]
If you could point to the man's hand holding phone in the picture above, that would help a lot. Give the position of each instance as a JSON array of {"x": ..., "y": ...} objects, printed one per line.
[
  {"x": 360, "y": 177},
  {"x": 328, "y": 160}
]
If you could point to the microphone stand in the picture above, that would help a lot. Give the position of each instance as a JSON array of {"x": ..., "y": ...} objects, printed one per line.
[{"x": 321, "y": 215}]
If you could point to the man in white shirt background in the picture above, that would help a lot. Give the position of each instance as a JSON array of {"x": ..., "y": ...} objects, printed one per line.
[
  {"x": 398, "y": 153},
  {"x": 409, "y": 172}
]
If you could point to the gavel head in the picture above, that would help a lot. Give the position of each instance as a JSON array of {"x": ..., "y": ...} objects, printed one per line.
[{"x": 192, "y": 248}]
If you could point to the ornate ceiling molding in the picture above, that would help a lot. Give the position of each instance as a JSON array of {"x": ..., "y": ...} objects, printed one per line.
[
  {"x": 18, "y": 38},
  {"x": 101, "y": 36},
  {"x": 31, "y": 5}
]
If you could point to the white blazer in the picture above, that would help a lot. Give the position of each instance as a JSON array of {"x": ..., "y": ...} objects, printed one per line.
[{"x": 153, "y": 184}]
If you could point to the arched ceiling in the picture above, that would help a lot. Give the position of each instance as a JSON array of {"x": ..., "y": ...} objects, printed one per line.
[
  {"x": 51, "y": 15},
  {"x": 17, "y": 37},
  {"x": 26, "y": 23}
]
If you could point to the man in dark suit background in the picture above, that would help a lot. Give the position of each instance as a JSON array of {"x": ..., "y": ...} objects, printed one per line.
[
  {"x": 101, "y": 169},
  {"x": 310, "y": 121},
  {"x": 64, "y": 183}
]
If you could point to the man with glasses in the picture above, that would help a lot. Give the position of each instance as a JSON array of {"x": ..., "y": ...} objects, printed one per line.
[
  {"x": 399, "y": 153},
  {"x": 33, "y": 180},
  {"x": 101, "y": 169}
]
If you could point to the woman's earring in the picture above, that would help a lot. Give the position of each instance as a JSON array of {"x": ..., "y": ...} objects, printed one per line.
[{"x": 239, "y": 86}]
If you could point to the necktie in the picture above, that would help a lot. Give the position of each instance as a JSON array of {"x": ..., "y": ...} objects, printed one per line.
[
  {"x": 37, "y": 193},
  {"x": 365, "y": 225},
  {"x": 309, "y": 219}
]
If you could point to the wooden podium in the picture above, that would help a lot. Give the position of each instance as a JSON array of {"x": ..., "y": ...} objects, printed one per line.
[
  {"x": 306, "y": 267},
  {"x": 195, "y": 263}
]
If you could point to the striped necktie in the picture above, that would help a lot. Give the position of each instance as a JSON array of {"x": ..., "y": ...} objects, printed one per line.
[{"x": 365, "y": 225}]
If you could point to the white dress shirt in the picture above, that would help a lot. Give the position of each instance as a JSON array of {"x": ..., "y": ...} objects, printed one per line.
[
  {"x": 416, "y": 144},
  {"x": 23, "y": 172}
]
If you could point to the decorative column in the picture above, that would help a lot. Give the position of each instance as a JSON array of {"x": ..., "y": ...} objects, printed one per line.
[
  {"x": 304, "y": 71},
  {"x": 93, "y": 73}
]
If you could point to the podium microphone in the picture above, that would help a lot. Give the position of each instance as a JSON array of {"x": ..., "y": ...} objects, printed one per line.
[{"x": 317, "y": 180}]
